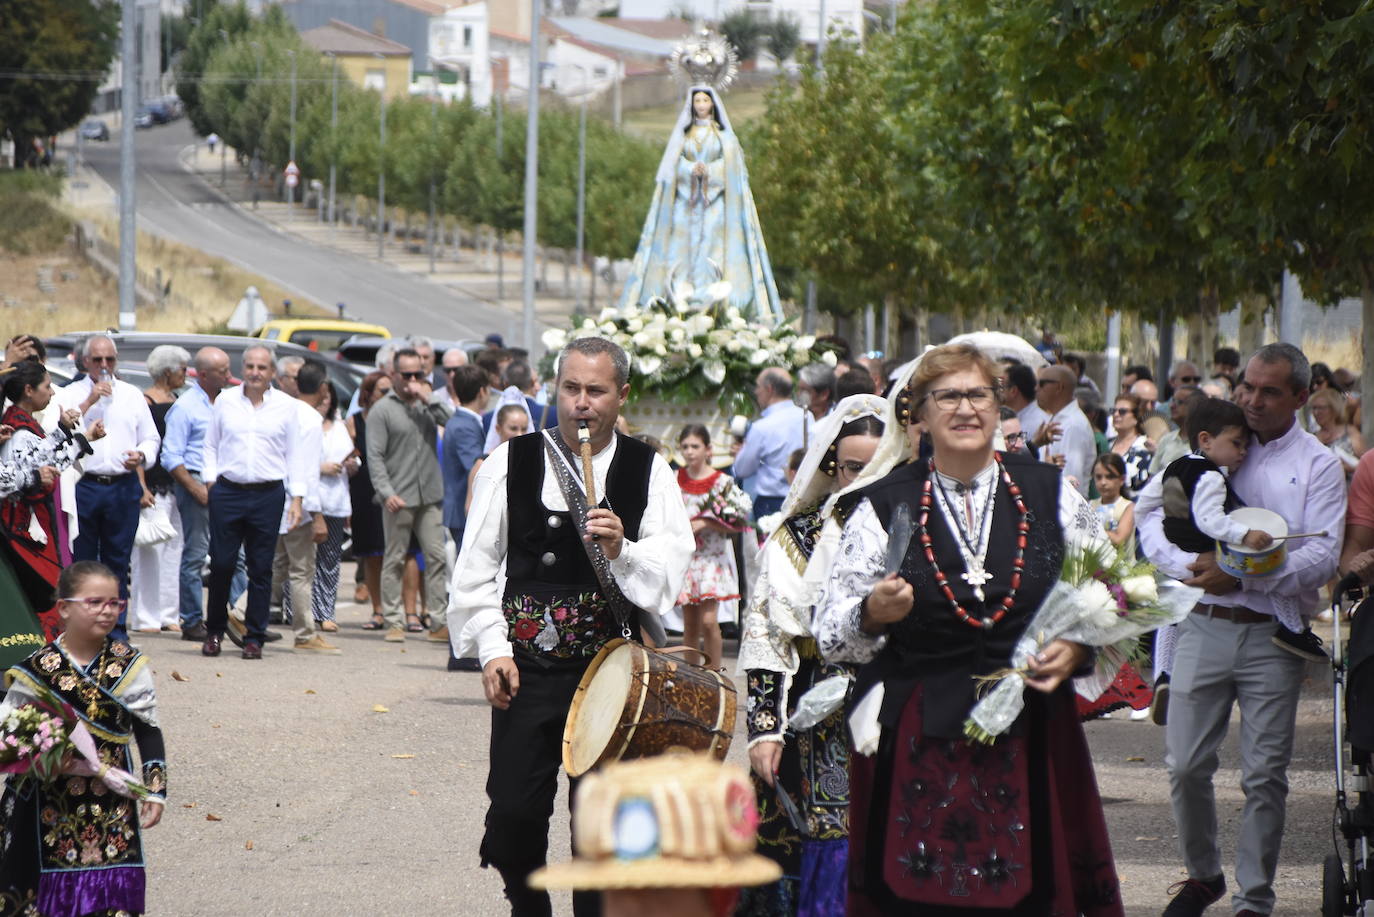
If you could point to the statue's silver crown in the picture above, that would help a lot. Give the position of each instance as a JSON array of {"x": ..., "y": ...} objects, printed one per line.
[{"x": 705, "y": 59}]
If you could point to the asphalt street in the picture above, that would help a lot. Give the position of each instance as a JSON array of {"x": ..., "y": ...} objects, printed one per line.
[
  {"x": 292, "y": 793},
  {"x": 177, "y": 205}
]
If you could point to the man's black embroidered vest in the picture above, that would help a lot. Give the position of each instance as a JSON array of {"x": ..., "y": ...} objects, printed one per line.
[{"x": 553, "y": 602}]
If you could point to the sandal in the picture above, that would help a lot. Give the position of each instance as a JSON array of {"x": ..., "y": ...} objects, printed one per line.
[
  {"x": 377, "y": 623},
  {"x": 413, "y": 625},
  {"x": 329, "y": 627}
]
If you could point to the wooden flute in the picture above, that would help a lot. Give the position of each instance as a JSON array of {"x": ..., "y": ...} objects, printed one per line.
[{"x": 584, "y": 443}]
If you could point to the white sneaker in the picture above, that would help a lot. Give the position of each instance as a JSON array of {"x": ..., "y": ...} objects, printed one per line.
[{"x": 1138, "y": 715}]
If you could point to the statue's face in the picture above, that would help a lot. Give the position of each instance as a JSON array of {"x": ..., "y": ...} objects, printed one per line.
[{"x": 702, "y": 106}]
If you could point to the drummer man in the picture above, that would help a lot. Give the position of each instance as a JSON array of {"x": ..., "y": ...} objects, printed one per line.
[{"x": 527, "y": 602}]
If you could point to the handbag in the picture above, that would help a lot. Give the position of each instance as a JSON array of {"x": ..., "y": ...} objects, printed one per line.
[{"x": 154, "y": 527}]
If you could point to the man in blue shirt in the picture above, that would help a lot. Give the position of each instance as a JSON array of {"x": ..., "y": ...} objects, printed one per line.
[
  {"x": 462, "y": 447},
  {"x": 183, "y": 457},
  {"x": 774, "y": 436}
]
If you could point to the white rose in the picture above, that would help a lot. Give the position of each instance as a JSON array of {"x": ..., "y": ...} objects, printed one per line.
[
  {"x": 804, "y": 343},
  {"x": 607, "y": 314},
  {"x": 694, "y": 351},
  {"x": 759, "y": 357},
  {"x": 1099, "y": 604},
  {"x": 1140, "y": 590},
  {"x": 734, "y": 346},
  {"x": 660, "y": 349},
  {"x": 641, "y": 339},
  {"x": 714, "y": 371},
  {"x": 737, "y": 323},
  {"x": 764, "y": 332},
  {"x": 829, "y": 358},
  {"x": 608, "y": 328},
  {"x": 634, "y": 325},
  {"x": 554, "y": 339},
  {"x": 649, "y": 365}
]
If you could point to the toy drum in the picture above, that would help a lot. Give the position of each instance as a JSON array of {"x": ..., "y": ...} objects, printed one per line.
[
  {"x": 634, "y": 702},
  {"x": 1238, "y": 560}
]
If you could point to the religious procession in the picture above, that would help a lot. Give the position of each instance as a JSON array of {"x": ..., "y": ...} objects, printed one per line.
[{"x": 809, "y": 630}]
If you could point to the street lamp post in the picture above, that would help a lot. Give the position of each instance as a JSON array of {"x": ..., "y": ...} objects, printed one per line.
[
  {"x": 581, "y": 182},
  {"x": 531, "y": 176},
  {"x": 128, "y": 229},
  {"x": 381, "y": 173},
  {"x": 500, "y": 232},
  {"x": 291, "y": 155},
  {"x": 333, "y": 138},
  {"x": 434, "y": 141}
]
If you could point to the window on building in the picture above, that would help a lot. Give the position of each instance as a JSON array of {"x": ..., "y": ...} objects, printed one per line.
[
  {"x": 467, "y": 37},
  {"x": 375, "y": 79},
  {"x": 599, "y": 72}
]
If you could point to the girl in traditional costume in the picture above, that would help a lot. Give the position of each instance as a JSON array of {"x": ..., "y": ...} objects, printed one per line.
[
  {"x": 779, "y": 659},
  {"x": 702, "y": 226},
  {"x": 74, "y": 848},
  {"x": 940, "y": 824},
  {"x": 31, "y": 460},
  {"x": 718, "y": 508}
]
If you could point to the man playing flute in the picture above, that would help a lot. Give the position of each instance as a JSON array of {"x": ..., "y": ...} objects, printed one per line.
[{"x": 528, "y": 600}]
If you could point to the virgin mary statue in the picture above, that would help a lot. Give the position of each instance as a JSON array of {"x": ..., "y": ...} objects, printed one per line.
[{"x": 702, "y": 226}]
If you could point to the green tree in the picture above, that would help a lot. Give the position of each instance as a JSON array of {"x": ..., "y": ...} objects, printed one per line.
[
  {"x": 783, "y": 36},
  {"x": 745, "y": 31},
  {"x": 39, "y": 38},
  {"x": 203, "y": 42}
]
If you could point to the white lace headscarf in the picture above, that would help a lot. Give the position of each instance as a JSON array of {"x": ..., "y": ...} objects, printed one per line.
[
  {"x": 812, "y": 484},
  {"x": 510, "y": 395}
]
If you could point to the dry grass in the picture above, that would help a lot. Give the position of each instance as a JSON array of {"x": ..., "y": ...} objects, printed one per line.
[{"x": 205, "y": 289}]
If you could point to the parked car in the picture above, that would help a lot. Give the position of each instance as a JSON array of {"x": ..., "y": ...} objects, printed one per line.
[
  {"x": 361, "y": 350},
  {"x": 134, "y": 347},
  {"x": 144, "y": 119},
  {"x": 322, "y": 335},
  {"x": 95, "y": 130}
]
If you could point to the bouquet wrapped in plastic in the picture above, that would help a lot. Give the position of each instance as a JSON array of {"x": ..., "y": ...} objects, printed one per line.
[
  {"x": 49, "y": 743},
  {"x": 1102, "y": 600}
]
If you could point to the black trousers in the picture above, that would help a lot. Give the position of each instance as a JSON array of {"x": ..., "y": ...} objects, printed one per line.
[
  {"x": 245, "y": 518},
  {"x": 526, "y": 751}
]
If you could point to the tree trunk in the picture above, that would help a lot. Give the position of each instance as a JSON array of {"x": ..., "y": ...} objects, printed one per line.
[
  {"x": 1367, "y": 342},
  {"x": 1252, "y": 309}
]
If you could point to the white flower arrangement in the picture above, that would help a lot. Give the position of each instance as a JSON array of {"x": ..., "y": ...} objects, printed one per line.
[{"x": 692, "y": 347}]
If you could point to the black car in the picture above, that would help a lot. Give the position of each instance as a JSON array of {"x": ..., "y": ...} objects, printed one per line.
[
  {"x": 95, "y": 130},
  {"x": 134, "y": 347}
]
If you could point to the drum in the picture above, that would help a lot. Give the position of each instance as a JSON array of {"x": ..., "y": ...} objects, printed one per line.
[
  {"x": 1238, "y": 560},
  {"x": 634, "y": 702}
]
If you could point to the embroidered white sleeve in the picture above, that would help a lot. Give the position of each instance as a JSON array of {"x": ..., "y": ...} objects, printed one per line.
[{"x": 858, "y": 568}]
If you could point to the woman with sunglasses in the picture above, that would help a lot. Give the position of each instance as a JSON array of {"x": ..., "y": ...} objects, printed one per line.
[
  {"x": 87, "y": 857},
  {"x": 940, "y": 825},
  {"x": 1131, "y": 443},
  {"x": 806, "y": 771}
]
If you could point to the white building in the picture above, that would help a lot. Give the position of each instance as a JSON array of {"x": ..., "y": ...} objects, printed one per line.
[
  {"x": 840, "y": 15},
  {"x": 459, "y": 42}
]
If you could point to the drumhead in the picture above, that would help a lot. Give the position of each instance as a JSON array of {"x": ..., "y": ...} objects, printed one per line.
[{"x": 601, "y": 707}]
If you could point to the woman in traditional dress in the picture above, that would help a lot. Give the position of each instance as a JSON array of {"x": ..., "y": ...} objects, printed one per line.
[
  {"x": 75, "y": 848},
  {"x": 338, "y": 463},
  {"x": 702, "y": 226},
  {"x": 718, "y": 509},
  {"x": 779, "y": 659},
  {"x": 27, "y": 517},
  {"x": 940, "y": 825},
  {"x": 155, "y": 569}
]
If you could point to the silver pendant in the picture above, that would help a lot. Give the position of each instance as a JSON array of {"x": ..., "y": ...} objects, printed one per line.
[{"x": 976, "y": 577}]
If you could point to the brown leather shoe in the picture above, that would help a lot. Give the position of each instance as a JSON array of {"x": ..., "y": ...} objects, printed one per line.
[
  {"x": 211, "y": 645},
  {"x": 438, "y": 636},
  {"x": 252, "y": 649}
]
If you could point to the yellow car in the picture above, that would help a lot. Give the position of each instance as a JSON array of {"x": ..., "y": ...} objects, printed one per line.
[{"x": 319, "y": 334}]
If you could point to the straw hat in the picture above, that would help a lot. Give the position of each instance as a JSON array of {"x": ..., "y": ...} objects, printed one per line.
[{"x": 672, "y": 821}]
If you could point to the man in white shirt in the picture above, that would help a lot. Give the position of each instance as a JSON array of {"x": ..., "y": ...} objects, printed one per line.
[
  {"x": 1067, "y": 438},
  {"x": 253, "y": 460},
  {"x": 1018, "y": 393},
  {"x": 293, "y": 566},
  {"x": 454, "y": 357},
  {"x": 108, "y": 492},
  {"x": 1225, "y": 653},
  {"x": 528, "y": 602}
]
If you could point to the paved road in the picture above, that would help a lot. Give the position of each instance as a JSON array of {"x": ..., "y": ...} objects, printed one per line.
[
  {"x": 177, "y": 205},
  {"x": 323, "y": 806}
]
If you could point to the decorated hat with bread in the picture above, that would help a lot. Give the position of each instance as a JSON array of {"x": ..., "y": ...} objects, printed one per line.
[{"x": 672, "y": 821}]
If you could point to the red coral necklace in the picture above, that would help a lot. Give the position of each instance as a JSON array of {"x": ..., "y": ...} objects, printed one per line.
[{"x": 1022, "y": 528}]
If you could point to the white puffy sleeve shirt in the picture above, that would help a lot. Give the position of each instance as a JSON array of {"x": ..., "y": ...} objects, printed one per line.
[{"x": 650, "y": 571}]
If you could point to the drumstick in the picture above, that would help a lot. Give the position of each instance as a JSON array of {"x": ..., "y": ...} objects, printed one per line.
[
  {"x": 1302, "y": 535},
  {"x": 584, "y": 442}
]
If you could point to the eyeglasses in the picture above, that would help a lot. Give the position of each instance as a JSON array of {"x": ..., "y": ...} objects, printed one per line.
[
  {"x": 1014, "y": 440},
  {"x": 417, "y": 374},
  {"x": 980, "y": 399},
  {"x": 1121, "y": 411},
  {"x": 101, "y": 359},
  {"x": 93, "y": 605},
  {"x": 451, "y": 369},
  {"x": 1189, "y": 380},
  {"x": 850, "y": 470}
]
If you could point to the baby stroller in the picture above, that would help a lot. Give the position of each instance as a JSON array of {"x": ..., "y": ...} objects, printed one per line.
[{"x": 1348, "y": 873}]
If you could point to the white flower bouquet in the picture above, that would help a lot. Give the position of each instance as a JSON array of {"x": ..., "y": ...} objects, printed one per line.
[
  {"x": 692, "y": 346},
  {"x": 1102, "y": 600}
]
